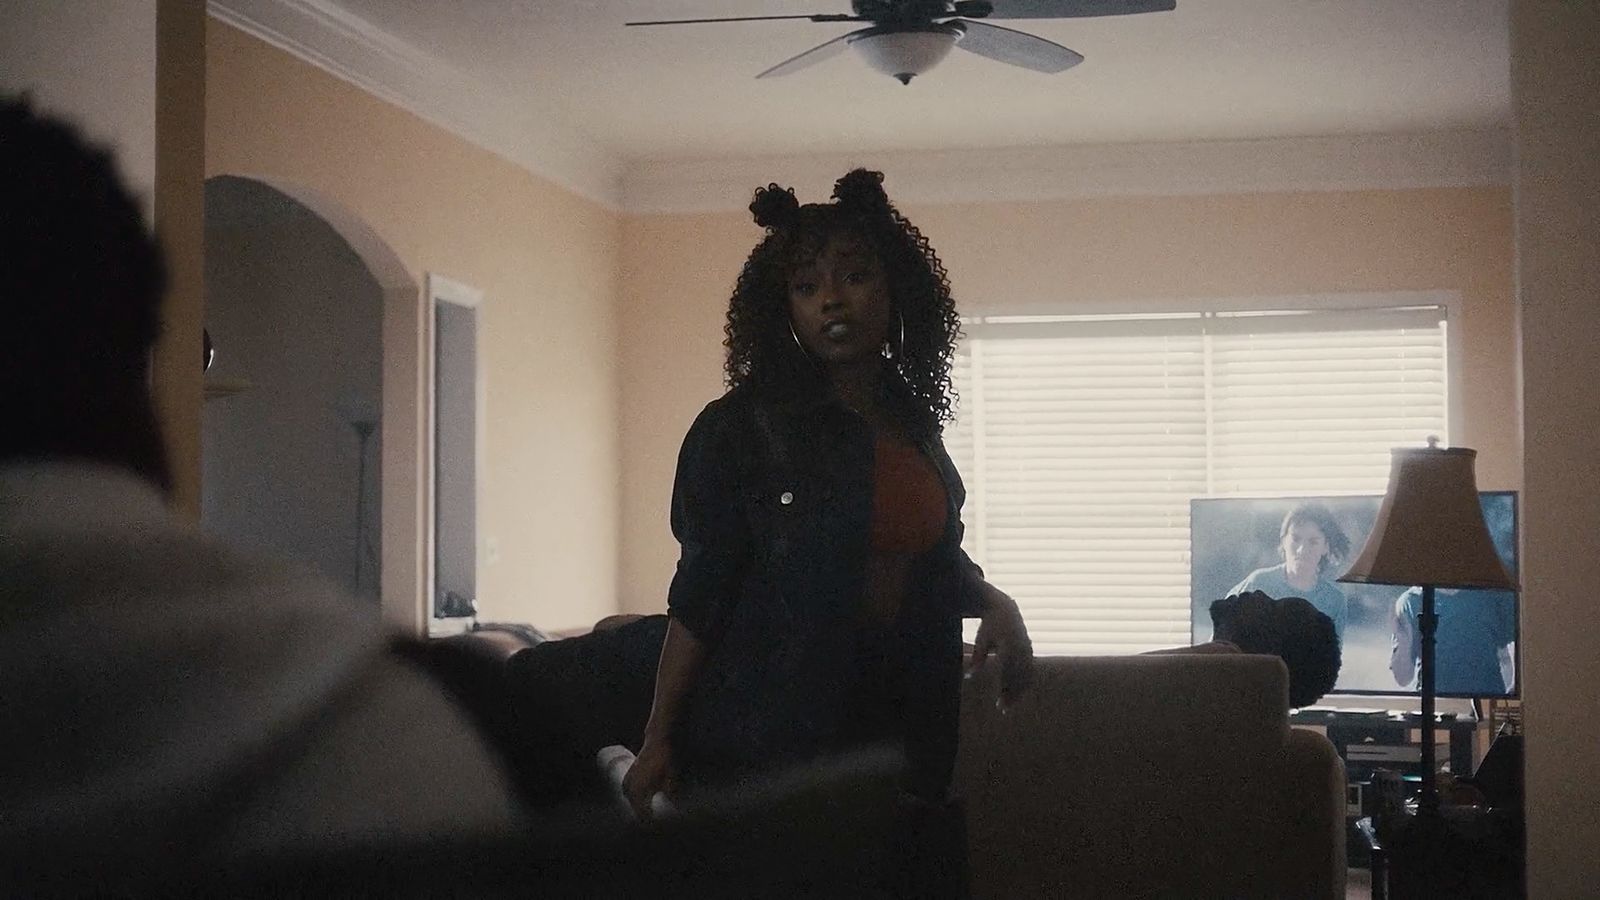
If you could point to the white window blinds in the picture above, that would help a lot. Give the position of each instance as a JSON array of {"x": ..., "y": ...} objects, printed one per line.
[{"x": 1082, "y": 441}]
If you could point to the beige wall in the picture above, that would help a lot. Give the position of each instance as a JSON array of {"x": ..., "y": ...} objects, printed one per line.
[
  {"x": 95, "y": 64},
  {"x": 1555, "y": 51},
  {"x": 1076, "y": 256},
  {"x": 546, "y": 261}
]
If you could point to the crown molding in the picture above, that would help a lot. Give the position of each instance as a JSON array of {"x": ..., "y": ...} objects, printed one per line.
[
  {"x": 523, "y": 130},
  {"x": 1342, "y": 163}
]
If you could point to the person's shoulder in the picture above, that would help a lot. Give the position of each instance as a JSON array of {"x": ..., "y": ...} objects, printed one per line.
[
  {"x": 748, "y": 409},
  {"x": 1209, "y": 647},
  {"x": 105, "y": 532},
  {"x": 1255, "y": 578},
  {"x": 722, "y": 419},
  {"x": 735, "y": 405}
]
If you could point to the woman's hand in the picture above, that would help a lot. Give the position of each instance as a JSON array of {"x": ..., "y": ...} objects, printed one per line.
[
  {"x": 652, "y": 773},
  {"x": 1002, "y": 633}
]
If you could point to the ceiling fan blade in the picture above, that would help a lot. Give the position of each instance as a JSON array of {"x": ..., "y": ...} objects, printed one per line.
[
  {"x": 820, "y": 17},
  {"x": 1074, "y": 9},
  {"x": 1016, "y": 48},
  {"x": 813, "y": 56}
]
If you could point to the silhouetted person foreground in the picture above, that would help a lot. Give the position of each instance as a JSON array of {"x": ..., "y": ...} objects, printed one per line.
[{"x": 167, "y": 702}]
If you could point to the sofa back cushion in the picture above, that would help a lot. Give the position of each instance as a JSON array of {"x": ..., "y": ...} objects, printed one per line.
[{"x": 1138, "y": 776}]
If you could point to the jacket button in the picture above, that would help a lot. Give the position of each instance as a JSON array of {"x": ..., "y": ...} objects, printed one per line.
[{"x": 786, "y": 498}]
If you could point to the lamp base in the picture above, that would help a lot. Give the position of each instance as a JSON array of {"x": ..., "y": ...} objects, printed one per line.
[{"x": 1457, "y": 852}]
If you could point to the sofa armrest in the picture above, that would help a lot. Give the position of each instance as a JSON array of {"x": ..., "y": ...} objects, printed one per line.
[{"x": 1314, "y": 773}]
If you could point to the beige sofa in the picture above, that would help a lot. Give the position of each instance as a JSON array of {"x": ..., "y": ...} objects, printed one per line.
[{"x": 1149, "y": 776}]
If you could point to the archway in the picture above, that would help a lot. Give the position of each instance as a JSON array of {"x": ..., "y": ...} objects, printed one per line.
[{"x": 312, "y": 433}]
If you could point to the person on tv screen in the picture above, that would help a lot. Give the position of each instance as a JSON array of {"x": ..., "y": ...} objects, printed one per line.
[
  {"x": 1312, "y": 545},
  {"x": 1289, "y": 628},
  {"x": 1473, "y": 640}
]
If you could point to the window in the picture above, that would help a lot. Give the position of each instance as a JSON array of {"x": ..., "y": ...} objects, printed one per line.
[{"x": 1082, "y": 441}]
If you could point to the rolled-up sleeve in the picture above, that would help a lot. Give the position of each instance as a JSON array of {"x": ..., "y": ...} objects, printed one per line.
[
  {"x": 968, "y": 573},
  {"x": 971, "y": 576},
  {"x": 709, "y": 522}
]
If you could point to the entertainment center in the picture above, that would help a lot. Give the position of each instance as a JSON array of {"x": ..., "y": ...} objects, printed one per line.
[{"x": 1423, "y": 833}]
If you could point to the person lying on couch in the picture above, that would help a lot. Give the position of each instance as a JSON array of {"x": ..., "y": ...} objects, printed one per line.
[
  {"x": 575, "y": 695},
  {"x": 1289, "y": 628},
  {"x": 583, "y": 693}
]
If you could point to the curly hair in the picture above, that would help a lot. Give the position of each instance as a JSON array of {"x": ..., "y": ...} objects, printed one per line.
[
  {"x": 762, "y": 352},
  {"x": 1310, "y": 650},
  {"x": 1322, "y": 517},
  {"x": 1293, "y": 630}
]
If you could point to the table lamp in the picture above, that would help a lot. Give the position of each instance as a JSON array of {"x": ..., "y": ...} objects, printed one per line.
[{"x": 1430, "y": 534}]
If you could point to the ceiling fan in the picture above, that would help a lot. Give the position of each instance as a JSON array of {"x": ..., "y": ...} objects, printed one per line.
[{"x": 905, "y": 38}]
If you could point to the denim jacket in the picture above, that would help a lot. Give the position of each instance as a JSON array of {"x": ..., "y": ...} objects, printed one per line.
[{"x": 772, "y": 506}]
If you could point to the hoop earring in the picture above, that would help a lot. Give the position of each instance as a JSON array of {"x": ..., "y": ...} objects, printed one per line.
[
  {"x": 801, "y": 347},
  {"x": 896, "y": 351}
]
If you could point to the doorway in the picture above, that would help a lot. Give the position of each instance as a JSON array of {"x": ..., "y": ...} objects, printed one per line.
[
  {"x": 458, "y": 441},
  {"x": 313, "y": 428},
  {"x": 290, "y": 434}
]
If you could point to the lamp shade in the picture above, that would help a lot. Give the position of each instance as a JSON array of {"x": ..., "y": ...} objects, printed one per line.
[
  {"x": 905, "y": 54},
  {"x": 1430, "y": 528}
]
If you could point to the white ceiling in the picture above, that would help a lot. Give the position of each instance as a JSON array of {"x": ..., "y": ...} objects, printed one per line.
[{"x": 1210, "y": 70}]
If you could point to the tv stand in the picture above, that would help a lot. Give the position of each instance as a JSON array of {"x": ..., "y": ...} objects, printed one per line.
[{"x": 1370, "y": 739}]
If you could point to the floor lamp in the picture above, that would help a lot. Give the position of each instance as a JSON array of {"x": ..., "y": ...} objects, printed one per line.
[{"x": 1430, "y": 534}]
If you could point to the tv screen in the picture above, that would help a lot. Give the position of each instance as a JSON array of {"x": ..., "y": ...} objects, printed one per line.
[{"x": 1239, "y": 544}]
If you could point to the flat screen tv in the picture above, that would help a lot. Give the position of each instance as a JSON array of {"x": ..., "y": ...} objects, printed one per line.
[{"x": 1239, "y": 543}]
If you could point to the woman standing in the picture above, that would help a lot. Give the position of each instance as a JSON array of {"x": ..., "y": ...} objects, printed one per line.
[{"x": 818, "y": 598}]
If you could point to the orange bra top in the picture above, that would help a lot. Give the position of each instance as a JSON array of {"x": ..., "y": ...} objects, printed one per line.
[{"x": 908, "y": 500}]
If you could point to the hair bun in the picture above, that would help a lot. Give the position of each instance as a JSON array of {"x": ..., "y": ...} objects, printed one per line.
[
  {"x": 861, "y": 189},
  {"x": 774, "y": 207}
]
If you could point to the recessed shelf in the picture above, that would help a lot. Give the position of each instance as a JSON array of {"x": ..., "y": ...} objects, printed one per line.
[{"x": 217, "y": 388}]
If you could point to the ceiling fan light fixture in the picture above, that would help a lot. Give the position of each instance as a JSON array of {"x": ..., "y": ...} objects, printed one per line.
[{"x": 905, "y": 54}]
